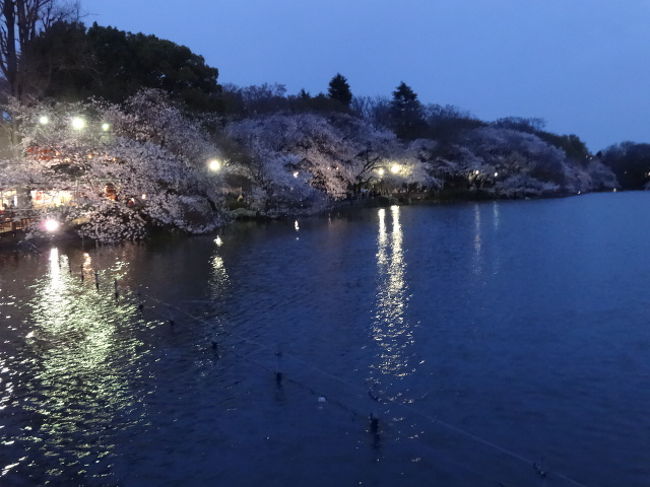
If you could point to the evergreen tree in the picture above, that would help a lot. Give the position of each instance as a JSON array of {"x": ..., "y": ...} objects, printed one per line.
[
  {"x": 69, "y": 61},
  {"x": 339, "y": 90},
  {"x": 407, "y": 114}
]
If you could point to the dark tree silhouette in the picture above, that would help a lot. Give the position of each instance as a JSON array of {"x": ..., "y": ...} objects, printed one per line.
[
  {"x": 20, "y": 22},
  {"x": 71, "y": 62},
  {"x": 406, "y": 113},
  {"x": 339, "y": 90}
]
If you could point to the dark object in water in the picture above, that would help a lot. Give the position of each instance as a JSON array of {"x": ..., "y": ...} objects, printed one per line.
[
  {"x": 374, "y": 423},
  {"x": 539, "y": 470},
  {"x": 278, "y": 378}
]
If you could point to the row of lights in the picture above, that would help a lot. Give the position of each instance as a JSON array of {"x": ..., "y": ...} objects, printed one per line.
[
  {"x": 79, "y": 123},
  {"x": 76, "y": 123},
  {"x": 394, "y": 169}
]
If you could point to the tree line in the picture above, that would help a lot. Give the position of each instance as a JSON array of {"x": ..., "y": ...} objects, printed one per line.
[{"x": 46, "y": 52}]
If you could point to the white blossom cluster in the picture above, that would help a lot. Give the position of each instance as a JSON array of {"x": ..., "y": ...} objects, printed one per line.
[
  {"x": 130, "y": 169},
  {"x": 144, "y": 164}
]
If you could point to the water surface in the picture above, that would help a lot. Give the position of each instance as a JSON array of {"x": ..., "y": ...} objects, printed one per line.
[{"x": 493, "y": 341}]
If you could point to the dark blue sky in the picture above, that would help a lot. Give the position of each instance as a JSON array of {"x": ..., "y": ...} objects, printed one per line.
[{"x": 583, "y": 65}]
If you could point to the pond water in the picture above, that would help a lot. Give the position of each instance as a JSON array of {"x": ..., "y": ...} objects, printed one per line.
[{"x": 497, "y": 344}]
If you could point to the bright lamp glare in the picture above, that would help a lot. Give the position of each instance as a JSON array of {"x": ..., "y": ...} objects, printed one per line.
[
  {"x": 78, "y": 123},
  {"x": 106, "y": 127},
  {"x": 296, "y": 174},
  {"x": 395, "y": 168},
  {"x": 51, "y": 225},
  {"x": 381, "y": 171},
  {"x": 43, "y": 119},
  {"x": 214, "y": 165}
]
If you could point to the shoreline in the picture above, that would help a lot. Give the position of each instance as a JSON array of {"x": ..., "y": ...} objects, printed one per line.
[{"x": 14, "y": 241}]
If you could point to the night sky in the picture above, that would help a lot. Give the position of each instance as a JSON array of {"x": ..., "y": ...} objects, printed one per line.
[{"x": 582, "y": 65}]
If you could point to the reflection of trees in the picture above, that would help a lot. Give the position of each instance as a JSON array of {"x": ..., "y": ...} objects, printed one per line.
[{"x": 391, "y": 329}]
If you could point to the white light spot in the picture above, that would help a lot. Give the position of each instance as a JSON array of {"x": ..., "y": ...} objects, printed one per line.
[
  {"x": 51, "y": 225},
  {"x": 78, "y": 123},
  {"x": 214, "y": 165},
  {"x": 43, "y": 119}
]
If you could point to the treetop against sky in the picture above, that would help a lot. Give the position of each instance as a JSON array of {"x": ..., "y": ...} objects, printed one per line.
[{"x": 579, "y": 64}]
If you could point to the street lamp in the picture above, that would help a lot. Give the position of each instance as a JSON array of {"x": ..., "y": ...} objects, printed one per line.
[
  {"x": 78, "y": 123},
  {"x": 395, "y": 168},
  {"x": 381, "y": 171},
  {"x": 43, "y": 119},
  {"x": 106, "y": 127},
  {"x": 51, "y": 225},
  {"x": 215, "y": 165}
]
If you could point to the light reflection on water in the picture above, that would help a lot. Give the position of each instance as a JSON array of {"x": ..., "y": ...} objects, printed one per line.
[
  {"x": 478, "y": 242},
  {"x": 517, "y": 333},
  {"x": 391, "y": 330},
  {"x": 71, "y": 378}
]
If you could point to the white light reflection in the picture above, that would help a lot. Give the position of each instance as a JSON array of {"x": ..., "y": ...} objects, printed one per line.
[
  {"x": 496, "y": 215},
  {"x": 219, "y": 282},
  {"x": 477, "y": 268},
  {"x": 391, "y": 330},
  {"x": 76, "y": 355}
]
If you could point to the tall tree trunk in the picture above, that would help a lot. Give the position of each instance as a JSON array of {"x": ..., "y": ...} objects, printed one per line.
[{"x": 9, "y": 58}]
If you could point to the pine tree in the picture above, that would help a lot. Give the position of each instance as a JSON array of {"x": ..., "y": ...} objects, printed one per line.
[
  {"x": 339, "y": 90},
  {"x": 406, "y": 112}
]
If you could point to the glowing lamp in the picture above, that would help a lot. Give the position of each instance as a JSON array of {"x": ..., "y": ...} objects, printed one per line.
[
  {"x": 381, "y": 171},
  {"x": 214, "y": 165},
  {"x": 43, "y": 119},
  {"x": 51, "y": 225},
  {"x": 496, "y": 174},
  {"x": 106, "y": 127},
  {"x": 78, "y": 123},
  {"x": 296, "y": 174},
  {"x": 218, "y": 241},
  {"x": 395, "y": 168}
]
